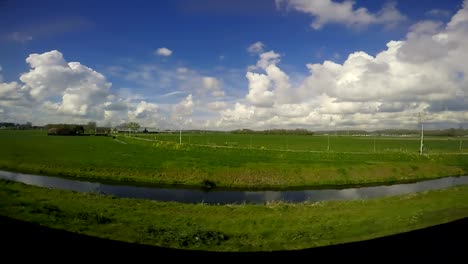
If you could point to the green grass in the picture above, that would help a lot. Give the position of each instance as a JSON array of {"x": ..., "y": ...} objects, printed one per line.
[
  {"x": 170, "y": 163},
  {"x": 275, "y": 226},
  {"x": 318, "y": 143}
]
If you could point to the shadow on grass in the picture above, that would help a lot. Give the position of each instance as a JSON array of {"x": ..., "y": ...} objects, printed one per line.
[{"x": 445, "y": 241}]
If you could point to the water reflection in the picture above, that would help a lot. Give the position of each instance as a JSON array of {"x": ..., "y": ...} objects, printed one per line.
[{"x": 232, "y": 197}]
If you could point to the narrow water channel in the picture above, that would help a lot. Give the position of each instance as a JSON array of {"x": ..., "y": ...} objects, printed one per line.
[{"x": 234, "y": 196}]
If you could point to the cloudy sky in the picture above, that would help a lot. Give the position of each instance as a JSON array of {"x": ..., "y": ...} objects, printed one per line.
[{"x": 212, "y": 64}]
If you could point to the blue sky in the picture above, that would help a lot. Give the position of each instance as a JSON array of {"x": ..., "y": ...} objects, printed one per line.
[{"x": 202, "y": 77}]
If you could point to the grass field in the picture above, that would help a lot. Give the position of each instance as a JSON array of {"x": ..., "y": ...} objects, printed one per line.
[
  {"x": 275, "y": 226},
  {"x": 333, "y": 143},
  {"x": 165, "y": 162}
]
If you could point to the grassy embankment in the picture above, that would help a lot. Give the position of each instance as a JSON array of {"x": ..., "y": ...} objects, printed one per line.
[
  {"x": 275, "y": 226},
  {"x": 166, "y": 162}
]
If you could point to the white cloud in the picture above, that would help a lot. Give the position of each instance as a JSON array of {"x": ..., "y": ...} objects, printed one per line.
[
  {"x": 180, "y": 80},
  {"x": 182, "y": 70},
  {"x": 240, "y": 114},
  {"x": 144, "y": 110},
  {"x": 19, "y": 37},
  {"x": 364, "y": 91},
  {"x": 367, "y": 92},
  {"x": 273, "y": 87},
  {"x": 212, "y": 86},
  {"x": 216, "y": 105},
  {"x": 260, "y": 93},
  {"x": 184, "y": 108},
  {"x": 256, "y": 47},
  {"x": 328, "y": 11},
  {"x": 163, "y": 52},
  {"x": 268, "y": 58},
  {"x": 54, "y": 90},
  {"x": 82, "y": 90},
  {"x": 119, "y": 105},
  {"x": 12, "y": 94},
  {"x": 438, "y": 13}
]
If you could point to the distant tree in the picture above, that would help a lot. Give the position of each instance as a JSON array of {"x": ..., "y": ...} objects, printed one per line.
[
  {"x": 91, "y": 127},
  {"x": 65, "y": 129},
  {"x": 123, "y": 125},
  {"x": 133, "y": 126}
]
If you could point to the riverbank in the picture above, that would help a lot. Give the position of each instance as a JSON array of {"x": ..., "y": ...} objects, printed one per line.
[
  {"x": 274, "y": 226},
  {"x": 142, "y": 161}
]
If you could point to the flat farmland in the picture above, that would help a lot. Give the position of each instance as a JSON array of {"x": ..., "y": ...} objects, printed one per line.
[
  {"x": 303, "y": 162},
  {"x": 369, "y": 144}
]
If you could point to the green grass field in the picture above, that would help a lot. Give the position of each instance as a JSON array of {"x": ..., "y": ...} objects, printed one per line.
[
  {"x": 275, "y": 226},
  {"x": 164, "y": 162},
  {"x": 365, "y": 144}
]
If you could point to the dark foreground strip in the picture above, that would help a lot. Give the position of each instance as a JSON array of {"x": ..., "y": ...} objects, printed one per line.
[{"x": 20, "y": 239}]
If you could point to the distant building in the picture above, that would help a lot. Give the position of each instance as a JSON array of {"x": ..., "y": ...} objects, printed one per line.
[
  {"x": 66, "y": 130},
  {"x": 139, "y": 130}
]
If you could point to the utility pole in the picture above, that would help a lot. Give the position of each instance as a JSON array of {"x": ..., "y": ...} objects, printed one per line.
[
  {"x": 422, "y": 134},
  {"x": 180, "y": 135},
  {"x": 374, "y": 143},
  {"x": 328, "y": 142}
]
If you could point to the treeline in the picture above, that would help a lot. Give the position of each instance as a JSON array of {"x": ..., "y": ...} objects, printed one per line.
[
  {"x": 9, "y": 125},
  {"x": 76, "y": 129},
  {"x": 450, "y": 132},
  {"x": 398, "y": 132},
  {"x": 65, "y": 129},
  {"x": 343, "y": 132},
  {"x": 297, "y": 131}
]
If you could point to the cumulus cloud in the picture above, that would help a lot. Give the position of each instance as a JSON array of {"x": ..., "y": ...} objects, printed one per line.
[
  {"x": 256, "y": 47},
  {"x": 144, "y": 110},
  {"x": 119, "y": 105},
  {"x": 82, "y": 90},
  {"x": 240, "y": 114},
  {"x": 184, "y": 108},
  {"x": 268, "y": 58},
  {"x": 12, "y": 93},
  {"x": 260, "y": 93},
  {"x": 54, "y": 90},
  {"x": 328, "y": 11},
  {"x": 365, "y": 91},
  {"x": 163, "y": 52},
  {"x": 216, "y": 105},
  {"x": 212, "y": 86},
  {"x": 401, "y": 73},
  {"x": 271, "y": 88}
]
